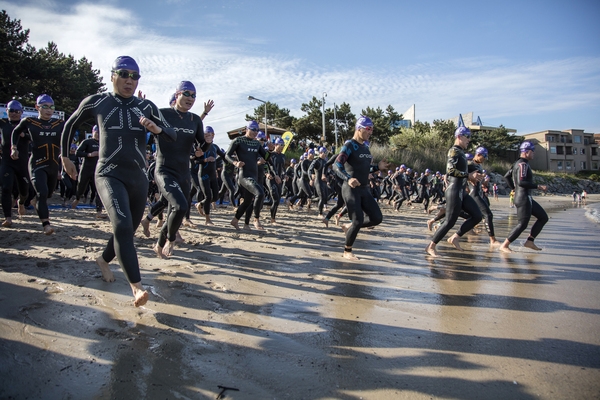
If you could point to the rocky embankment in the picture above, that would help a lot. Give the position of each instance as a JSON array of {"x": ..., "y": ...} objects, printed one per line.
[{"x": 556, "y": 185}]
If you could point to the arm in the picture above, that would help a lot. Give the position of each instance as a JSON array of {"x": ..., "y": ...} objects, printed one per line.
[
  {"x": 454, "y": 157},
  {"x": 156, "y": 123},
  {"x": 17, "y": 133}
]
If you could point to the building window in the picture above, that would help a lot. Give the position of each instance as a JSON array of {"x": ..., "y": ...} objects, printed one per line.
[
  {"x": 582, "y": 151},
  {"x": 586, "y": 141},
  {"x": 550, "y": 138},
  {"x": 575, "y": 150},
  {"x": 576, "y": 139},
  {"x": 568, "y": 164},
  {"x": 553, "y": 150},
  {"x": 594, "y": 151},
  {"x": 594, "y": 165},
  {"x": 582, "y": 165},
  {"x": 559, "y": 165},
  {"x": 560, "y": 150}
]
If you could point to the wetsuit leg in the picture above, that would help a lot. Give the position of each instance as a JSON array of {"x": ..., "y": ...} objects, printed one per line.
[
  {"x": 44, "y": 183},
  {"x": 487, "y": 214},
  {"x": 125, "y": 206},
  {"x": 253, "y": 189},
  {"x": 454, "y": 196},
  {"x": 207, "y": 191},
  {"x": 86, "y": 176},
  {"x": 176, "y": 194},
  {"x": 470, "y": 207},
  {"x": 542, "y": 218},
  {"x": 7, "y": 175},
  {"x": 359, "y": 202},
  {"x": 338, "y": 205}
]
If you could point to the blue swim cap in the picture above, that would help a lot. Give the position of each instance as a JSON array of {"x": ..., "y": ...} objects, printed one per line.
[
  {"x": 172, "y": 99},
  {"x": 279, "y": 141},
  {"x": 95, "y": 129},
  {"x": 14, "y": 105},
  {"x": 310, "y": 151},
  {"x": 323, "y": 149},
  {"x": 302, "y": 157},
  {"x": 208, "y": 129},
  {"x": 363, "y": 122},
  {"x": 437, "y": 173},
  {"x": 261, "y": 135},
  {"x": 427, "y": 171},
  {"x": 185, "y": 85},
  {"x": 402, "y": 166},
  {"x": 409, "y": 170},
  {"x": 44, "y": 98},
  {"x": 462, "y": 131},
  {"x": 389, "y": 171},
  {"x": 253, "y": 125},
  {"x": 527, "y": 146},
  {"x": 481, "y": 150},
  {"x": 293, "y": 161},
  {"x": 125, "y": 62},
  {"x": 469, "y": 156}
]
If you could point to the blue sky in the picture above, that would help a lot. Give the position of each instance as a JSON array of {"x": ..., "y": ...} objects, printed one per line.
[{"x": 529, "y": 65}]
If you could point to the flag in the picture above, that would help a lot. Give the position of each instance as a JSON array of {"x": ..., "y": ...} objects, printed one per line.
[{"x": 287, "y": 139}]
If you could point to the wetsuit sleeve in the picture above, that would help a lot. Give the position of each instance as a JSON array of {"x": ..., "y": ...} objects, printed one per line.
[
  {"x": 84, "y": 112},
  {"x": 312, "y": 166},
  {"x": 508, "y": 177},
  {"x": 168, "y": 133},
  {"x": 16, "y": 133},
  {"x": 331, "y": 160},
  {"x": 231, "y": 151},
  {"x": 454, "y": 157},
  {"x": 341, "y": 159}
]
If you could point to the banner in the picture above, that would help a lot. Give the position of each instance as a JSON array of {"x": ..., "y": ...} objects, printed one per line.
[{"x": 287, "y": 139}]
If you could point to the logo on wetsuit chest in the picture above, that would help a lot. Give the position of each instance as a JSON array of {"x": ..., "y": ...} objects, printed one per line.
[
  {"x": 255, "y": 150},
  {"x": 48, "y": 133},
  {"x": 365, "y": 155},
  {"x": 184, "y": 130}
]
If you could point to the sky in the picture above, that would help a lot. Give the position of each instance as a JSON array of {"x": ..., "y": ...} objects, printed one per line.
[{"x": 528, "y": 65}]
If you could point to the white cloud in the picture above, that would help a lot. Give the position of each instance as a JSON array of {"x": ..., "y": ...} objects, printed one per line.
[{"x": 225, "y": 72}]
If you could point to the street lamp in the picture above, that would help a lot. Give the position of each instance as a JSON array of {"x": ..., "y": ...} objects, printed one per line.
[
  {"x": 265, "y": 103},
  {"x": 323, "y": 137}
]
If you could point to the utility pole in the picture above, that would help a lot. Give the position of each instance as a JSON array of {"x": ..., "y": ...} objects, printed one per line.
[
  {"x": 335, "y": 127},
  {"x": 323, "y": 137}
]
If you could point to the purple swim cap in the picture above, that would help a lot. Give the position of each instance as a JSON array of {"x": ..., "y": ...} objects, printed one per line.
[
  {"x": 73, "y": 146},
  {"x": 125, "y": 62},
  {"x": 95, "y": 129},
  {"x": 293, "y": 161},
  {"x": 403, "y": 166},
  {"x": 427, "y": 171},
  {"x": 363, "y": 122},
  {"x": 208, "y": 129},
  {"x": 172, "y": 99},
  {"x": 279, "y": 141},
  {"x": 481, "y": 150},
  {"x": 310, "y": 151},
  {"x": 397, "y": 168},
  {"x": 44, "y": 98},
  {"x": 261, "y": 135},
  {"x": 302, "y": 157},
  {"x": 14, "y": 105},
  {"x": 322, "y": 149},
  {"x": 527, "y": 146},
  {"x": 253, "y": 125},
  {"x": 389, "y": 171},
  {"x": 185, "y": 85},
  {"x": 469, "y": 156},
  {"x": 462, "y": 131}
]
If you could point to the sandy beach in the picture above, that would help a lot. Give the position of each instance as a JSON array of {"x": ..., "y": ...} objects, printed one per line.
[{"x": 280, "y": 314}]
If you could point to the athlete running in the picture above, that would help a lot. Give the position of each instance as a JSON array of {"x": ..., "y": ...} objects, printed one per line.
[{"x": 481, "y": 154}]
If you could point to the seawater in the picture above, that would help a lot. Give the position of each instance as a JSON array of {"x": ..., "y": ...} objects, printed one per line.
[{"x": 592, "y": 211}]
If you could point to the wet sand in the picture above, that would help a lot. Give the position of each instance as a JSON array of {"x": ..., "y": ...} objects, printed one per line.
[{"x": 281, "y": 315}]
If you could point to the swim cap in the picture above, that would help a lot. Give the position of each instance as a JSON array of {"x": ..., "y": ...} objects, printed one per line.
[
  {"x": 253, "y": 125},
  {"x": 363, "y": 122},
  {"x": 185, "y": 85},
  {"x": 310, "y": 151},
  {"x": 279, "y": 142},
  {"x": 427, "y": 171},
  {"x": 44, "y": 98},
  {"x": 73, "y": 146},
  {"x": 389, "y": 171},
  {"x": 437, "y": 172},
  {"x": 526, "y": 146},
  {"x": 409, "y": 170},
  {"x": 402, "y": 166},
  {"x": 302, "y": 157},
  {"x": 261, "y": 135},
  {"x": 14, "y": 105},
  {"x": 322, "y": 149},
  {"x": 95, "y": 129},
  {"x": 125, "y": 62},
  {"x": 172, "y": 99},
  {"x": 397, "y": 168},
  {"x": 293, "y": 161},
  {"x": 482, "y": 150},
  {"x": 208, "y": 129},
  {"x": 469, "y": 156},
  {"x": 462, "y": 131}
]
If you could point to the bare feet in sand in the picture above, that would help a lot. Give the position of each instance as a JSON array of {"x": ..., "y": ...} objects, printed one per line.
[
  {"x": 454, "y": 241},
  {"x": 258, "y": 225},
  {"x": 22, "y": 211},
  {"x": 160, "y": 223},
  {"x": 101, "y": 215},
  {"x": 494, "y": 243},
  {"x": 74, "y": 204},
  {"x": 348, "y": 255},
  {"x": 235, "y": 223},
  {"x": 167, "y": 251},
  {"x": 208, "y": 222},
  {"x": 430, "y": 223},
  {"x": 107, "y": 274},
  {"x": 139, "y": 294},
  {"x": 431, "y": 250},
  {"x": 188, "y": 223},
  {"x": 530, "y": 245},
  {"x": 146, "y": 226},
  {"x": 200, "y": 209},
  {"x": 48, "y": 230},
  {"x": 504, "y": 248},
  {"x": 326, "y": 222},
  {"x": 246, "y": 227},
  {"x": 7, "y": 223},
  {"x": 178, "y": 238},
  {"x": 337, "y": 219},
  {"x": 273, "y": 222},
  {"x": 159, "y": 251},
  {"x": 345, "y": 227}
]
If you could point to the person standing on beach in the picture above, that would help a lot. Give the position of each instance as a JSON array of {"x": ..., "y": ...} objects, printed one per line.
[
  {"x": 121, "y": 180},
  {"x": 521, "y": 180},
  {"x": 44, "y": 132},
  {"x": 11, "y": 169},
  {"x": 457, "y": 199},
  {"x": 481, "y": 154},
  {"x": 353, "y": 166},
  {"x": 88, "y": 151}
]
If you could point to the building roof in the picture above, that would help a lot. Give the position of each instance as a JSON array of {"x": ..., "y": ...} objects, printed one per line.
[{"x": 242, "y": 130}]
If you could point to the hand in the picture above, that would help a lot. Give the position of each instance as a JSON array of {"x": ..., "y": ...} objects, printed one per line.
[
  {"x": 239, "y": 164},
  {"x": 69, "y": 167},
  {"x": 14, "y": 154},
  {"x": 94, "y": 154},
  {"x": 260, "y": 161},
  {"x": 198, "y": 153},
  {"x": 277, "y": 180},
  {"x": 208, "y": 106},
  {"x": 150, "y": 125},
  {"x": 543, "y": 187},
  {"x": 353, "y": 183},
  {"x": 141, "y": 96},
  {"x": 269, "y": 176}
]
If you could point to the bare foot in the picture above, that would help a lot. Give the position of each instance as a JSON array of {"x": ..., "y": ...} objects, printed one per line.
[
  {"x": 273, "y": 222},
  {"x": 350, "y": 256},
  {"x": 7, "y": 223},
  {"x": 345, "y": 227},
  {"x": 139, "y": 294},
  {"x": 258, "y": 225},
  {"x": 188, "y": 223},
  {"x": 235, "y": 223},
  {"x": 454, "y": 241},
  {"x": 208, "y": 221},
  {"x": 289, "y": 205},
  {"x": 146, "y": 226},
  {"x": 430, "y": 223},
  {"x": 159, "y": 251},
  {"x": 530, "y": 245},
  {"x": 160, "y": 223},
  {"x": 200, "y": 209},
  {"x": 107, "y": 274},
  {"x": 48, "y": 230},
  {"x": 505, "y": 249},
  {"x": 326, "y": 222},
  {"x": 22, "y": 210},
  {"x": 167, "y": 251},
  {"x": 33, "y": 202},
  {"x": 431, "y": 250},
  {"x": 74, "y": 204},
  {"x": 494, "y": 243},
  {"x": 337, "y": 219},
  {"x": 246, "y": 227},
  {"x": 101, "y": 215},
  {"x": 178, "y": 238}
]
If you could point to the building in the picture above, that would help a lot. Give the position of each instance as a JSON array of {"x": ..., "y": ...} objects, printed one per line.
[{"x": 566, "y": 151}]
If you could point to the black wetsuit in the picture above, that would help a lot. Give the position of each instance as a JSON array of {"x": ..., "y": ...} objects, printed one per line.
[
  {"x": 44, "y": 160},
  {"x": 227, "y": 176},
  {"x": 337, "y": 187},
  {"x": 207, "y": 176},
  {"x": 354, "y": 161},
  {"x": 456, "y": 198},
  {"x": 277, "y": 162},
  {"x": 401, "y": 190},
  {"x": 88, "y": 169},
  {"x": 522, "y": 183},
  {"x": 172, "y": 174},
  {"x": 318, "y": 167},
  {"x": 479, "y": 197},
  {"x": 248, "y": 151},
  {"x": 11, "y": 169},
  {"x": 121, "y": 171}
]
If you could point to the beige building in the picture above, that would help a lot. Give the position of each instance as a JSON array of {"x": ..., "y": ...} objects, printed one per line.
[{"x": 566, "y": 151}]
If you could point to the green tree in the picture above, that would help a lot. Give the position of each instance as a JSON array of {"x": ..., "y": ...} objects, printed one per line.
[
  {"x": 385, "y": 123},
  {"x": 497, "y": 141},
  {"x": 310, "y": 126},
  {"x": 13, "y": 52},
  {"x": 276, "y": 116},
  {"x": 345, "y": 123}
]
